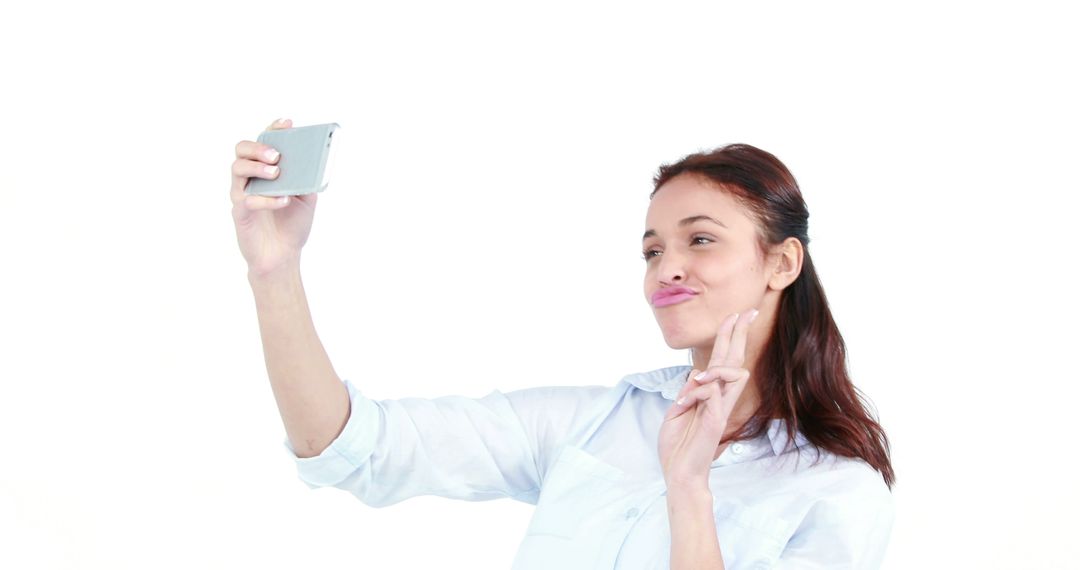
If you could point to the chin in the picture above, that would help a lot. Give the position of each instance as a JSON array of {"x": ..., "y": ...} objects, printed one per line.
[
  {"x": 679, "y": 345},
  {"x": 678, "y": 336}
]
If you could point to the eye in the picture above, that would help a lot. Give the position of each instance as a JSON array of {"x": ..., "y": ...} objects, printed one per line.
[{"x": 646, "y": 255}]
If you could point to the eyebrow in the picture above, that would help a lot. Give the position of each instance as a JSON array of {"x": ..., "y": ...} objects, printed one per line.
[{"x": 686, "y": 222}]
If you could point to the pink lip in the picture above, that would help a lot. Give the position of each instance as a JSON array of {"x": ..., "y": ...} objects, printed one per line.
[
  {"x": 672, "y": 299},
  {"x": 676, "y": 291}
]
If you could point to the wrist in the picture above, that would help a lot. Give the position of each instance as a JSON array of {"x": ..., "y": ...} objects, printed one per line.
[
  {"x": 287, "y": 273},
  {"x": 277, "y": 289},
  {"x": 686, "y": 494}
]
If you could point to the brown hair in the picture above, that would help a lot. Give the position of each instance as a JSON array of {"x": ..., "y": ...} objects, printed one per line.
[{"x": 802, "y": 373}]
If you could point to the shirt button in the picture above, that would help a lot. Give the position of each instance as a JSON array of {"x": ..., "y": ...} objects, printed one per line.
[
  {"x": 736, "y": 448},
  {"x": 632, "y": 513}
]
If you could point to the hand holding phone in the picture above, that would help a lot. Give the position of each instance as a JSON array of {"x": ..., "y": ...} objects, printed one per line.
[
  {"x": 271, "y": 230},
  {"x": 303, "y": 165}
]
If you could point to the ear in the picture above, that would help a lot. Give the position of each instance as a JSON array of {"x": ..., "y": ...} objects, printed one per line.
[{"x": 786, "y": 263}]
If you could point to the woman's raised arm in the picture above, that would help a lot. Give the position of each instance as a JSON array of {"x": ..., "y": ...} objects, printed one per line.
[{"x": 313, "y": 403}]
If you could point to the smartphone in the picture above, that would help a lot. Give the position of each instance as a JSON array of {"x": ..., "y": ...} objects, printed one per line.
[{"x": 303, "y": 164}]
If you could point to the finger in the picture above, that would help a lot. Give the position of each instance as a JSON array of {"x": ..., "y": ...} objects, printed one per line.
[
  {"x": 243, "y": 170},
  {"x": 711, "y": 414},
  {"x": 690, "y": 384},
  {"x": 725, "y": 376},
  {"x": 254, "y": 202},
  {"x": 736, "y": 355},
  {"x": 723, "y": 340},
  {"x": 253, "y": 150},
  {"x": 698, "y": 394},
  {"x": 722, "y": 373},
  {"x": 280, "y": 124},
  {"x": 731, "y": 387},
  {"x": 678, "y": 408}
]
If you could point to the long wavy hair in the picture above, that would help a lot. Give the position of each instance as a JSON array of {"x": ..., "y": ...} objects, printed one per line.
[{"x": 802, "y": 373}]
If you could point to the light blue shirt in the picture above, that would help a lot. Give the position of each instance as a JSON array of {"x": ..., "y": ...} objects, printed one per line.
[{"x": 586, "y": 456}]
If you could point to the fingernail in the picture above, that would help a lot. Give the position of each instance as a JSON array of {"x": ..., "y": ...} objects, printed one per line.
[
  {"x": 283, "y": 199},
  {"x": 280, "y": 121},
  {"x": 754, "y": 316},
  {"x": 680, "y": 400},
  {"x": 271, "y": 170},
  {"x": 700, "y": 375},
  {"x": 271, "y": 154}
]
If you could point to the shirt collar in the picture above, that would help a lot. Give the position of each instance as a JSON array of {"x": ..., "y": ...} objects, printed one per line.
[{"x": 668, "y": 381}]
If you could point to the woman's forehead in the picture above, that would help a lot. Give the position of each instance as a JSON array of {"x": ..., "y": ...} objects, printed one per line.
[{"x": 684, "y": 197}]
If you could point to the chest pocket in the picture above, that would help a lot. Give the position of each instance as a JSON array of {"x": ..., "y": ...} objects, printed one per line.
[
  {"x": 578, "y": 488},
  {"x": 750, "y": 538}
]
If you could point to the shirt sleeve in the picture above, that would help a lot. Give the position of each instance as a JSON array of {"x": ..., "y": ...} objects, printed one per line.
[
  {"x": 849, "y": 529},
  {"x": 473, "y": 449}
]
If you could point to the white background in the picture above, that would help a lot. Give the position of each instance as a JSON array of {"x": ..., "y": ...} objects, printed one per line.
[{"x": 482, "y": 230}]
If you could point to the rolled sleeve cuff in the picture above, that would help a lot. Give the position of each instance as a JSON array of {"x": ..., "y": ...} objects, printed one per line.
[{"x": 352, "y": 447}]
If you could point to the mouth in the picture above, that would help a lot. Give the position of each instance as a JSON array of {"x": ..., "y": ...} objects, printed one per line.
[{"x": 666, "y": 300}]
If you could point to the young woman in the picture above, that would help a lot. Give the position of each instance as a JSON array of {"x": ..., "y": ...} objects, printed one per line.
[{"x": 761, "y": 454}]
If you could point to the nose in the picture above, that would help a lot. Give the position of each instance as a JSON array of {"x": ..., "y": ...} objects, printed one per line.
[{"x": 672, "y": 268}]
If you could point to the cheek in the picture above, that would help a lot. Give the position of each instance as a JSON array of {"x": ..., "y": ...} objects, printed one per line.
[
  {"x": 727, "y": 290},
  {"x": 723, "y": 277},
  {"x": 649, "y": 278}
]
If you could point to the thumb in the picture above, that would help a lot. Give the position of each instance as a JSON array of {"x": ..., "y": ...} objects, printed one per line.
[{"x": 254, "y": 202}]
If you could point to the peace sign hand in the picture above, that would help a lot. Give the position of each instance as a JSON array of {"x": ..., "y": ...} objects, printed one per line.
[{"x": 694, "y": 424}]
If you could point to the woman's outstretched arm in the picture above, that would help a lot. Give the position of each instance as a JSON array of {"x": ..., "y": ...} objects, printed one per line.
[
  {"x": 313, "y": 402},
  {"x": 496, "y": 446}
]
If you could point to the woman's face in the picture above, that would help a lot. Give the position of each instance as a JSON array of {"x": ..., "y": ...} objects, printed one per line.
[{"x": 721, "y": 264}]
